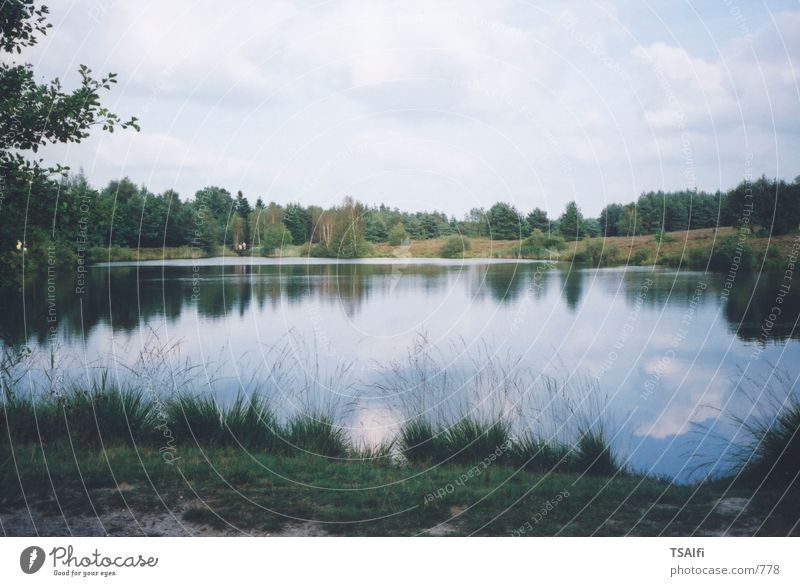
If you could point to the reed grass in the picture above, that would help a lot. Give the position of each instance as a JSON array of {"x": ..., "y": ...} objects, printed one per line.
[
  {"x": 766, "y": 449},
  {"x": 107, "y": 416},
  {"x": 318, "y": 435},
  {"x": 534, "y": 453},
  {"x": 421, "y": 441},
  {"x": 472, "y": 440}
]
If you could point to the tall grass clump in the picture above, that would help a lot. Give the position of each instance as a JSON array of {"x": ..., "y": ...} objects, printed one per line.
[
  {"x": 471, "y": 440},
  {"x": 250, "y": 422},
  {"x": 766, "y": 447},
  {"x": 95, "y": 417},
  {"x": 196, "y": 418},
  {"x": 110, "y": 416},
  {"x": 247, "y": 422},
  {"x": 533, "y": 453},
  {"x": 25, "y": 420},
  {"x": 593, "y": 454},
  {"x": 382, "y": 453},
  {"x": 316, "y": 434},
  {"x": 421, "y": 441}
]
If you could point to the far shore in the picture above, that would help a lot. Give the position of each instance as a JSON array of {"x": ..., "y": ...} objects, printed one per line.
[{"x": 687, "y": 249}]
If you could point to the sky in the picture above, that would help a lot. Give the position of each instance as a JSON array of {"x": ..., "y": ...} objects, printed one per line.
[{"x": 437, "y": 105}]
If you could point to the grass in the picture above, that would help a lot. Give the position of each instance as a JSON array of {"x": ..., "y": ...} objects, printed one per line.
[
  {"x": 689, "y": 249},
  {"x": 317, "y": 435},
  {"x": 239, "y": 467},
  {"x": 594, "y": 455},
  {"x": 89, "y": 417},
  {"x": 108, "y": 417},
  {"x": 226, "y": 489},
  {"x": 533, "y": 453},
  {"x": 478, "y": 248},
  {"x": 767, "y": 449},
  {"x": 420, "y": 441},
  {"x": 470, "y": 440},
  {"x": 123, "y": 253}
]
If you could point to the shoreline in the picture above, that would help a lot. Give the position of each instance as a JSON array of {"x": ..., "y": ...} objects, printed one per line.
[
  {"x": 691, "y": 249},
  {"x": 132, "y": 491}
]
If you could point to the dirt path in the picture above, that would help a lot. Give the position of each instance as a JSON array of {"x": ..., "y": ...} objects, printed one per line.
[{"x": 124, "y": 523}]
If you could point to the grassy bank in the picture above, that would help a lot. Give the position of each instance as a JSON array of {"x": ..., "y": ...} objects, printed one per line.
[
  {"x": 711, "y": 248},
  {"x": 231, "y": 491},
  {"x": 102, "y": 417},
  {"x": 714, "y": 248}
]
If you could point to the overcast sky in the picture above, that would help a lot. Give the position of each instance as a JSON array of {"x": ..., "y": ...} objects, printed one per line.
[{"x": 437, "y": 105}]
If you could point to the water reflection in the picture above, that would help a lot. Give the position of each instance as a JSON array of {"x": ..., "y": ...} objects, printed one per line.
[
  {"x": 572, "y": 281},
  {"x": 125, "y": 297}
]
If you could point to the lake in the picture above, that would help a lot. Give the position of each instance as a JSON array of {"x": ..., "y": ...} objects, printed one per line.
[{"x": 658, "y": 354}]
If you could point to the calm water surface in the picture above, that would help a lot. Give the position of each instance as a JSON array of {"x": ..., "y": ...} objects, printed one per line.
[{"x": 667, "y": 349}]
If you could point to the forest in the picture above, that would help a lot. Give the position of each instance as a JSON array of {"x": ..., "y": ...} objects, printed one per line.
[{"x": 75, "y": 218}]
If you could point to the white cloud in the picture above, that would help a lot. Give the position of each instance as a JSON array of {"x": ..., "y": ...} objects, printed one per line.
[{"x": 520, "y": 101}]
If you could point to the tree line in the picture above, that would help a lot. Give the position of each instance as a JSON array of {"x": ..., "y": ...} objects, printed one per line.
[
  {"x": 75, "y": 215},
  {"x": 72, "y": 212}
]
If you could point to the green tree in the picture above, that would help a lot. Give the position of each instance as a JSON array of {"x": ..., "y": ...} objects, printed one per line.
[
  {"x": 298, "y": 222},
  {"x": 570, "y": 222},
  {"x": 429, "y": 226},
  {"x": 216, "y": 200},
  {"x": 505, "y": 222},
  {"x": 611, "y": 220},
  {"x": 538, "y": 220},
  {"x": 273, "y": 237},
  {"x": 397, "y": 235},
  {"x": 243, "y": 210},
  {"x": 35, "y": 114},
  {"x": 475, "y": 223},
  {"x": 243, "y": 206},
  {"x": 375, "y": 227},
  {"x": 125, "y": 208},
  {"x": 341, "y": 231}
]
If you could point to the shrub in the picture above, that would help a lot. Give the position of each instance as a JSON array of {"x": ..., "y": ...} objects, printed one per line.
[
  {"x": 454, "y": 247},
  {"x": 639, "y": 257},
  {"x": 696, "y": 257},
  {"x": 539, "y": 245},
  {"x": 599, "y": 253},
  {"x": 662, "y": 237},
  {"x": 397, "y": 235},
  {"x": 729, "y": 251},
  {"x": 272, "y": 237},
  {"x": 594, "y": 251},
  {"x": 577, "y": 257}
]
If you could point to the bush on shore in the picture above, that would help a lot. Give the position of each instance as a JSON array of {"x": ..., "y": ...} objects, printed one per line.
[{"x": 455, "y": 247}]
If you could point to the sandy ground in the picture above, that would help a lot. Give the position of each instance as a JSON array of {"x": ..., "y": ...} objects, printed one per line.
[{"x": 125, "y": 523}]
